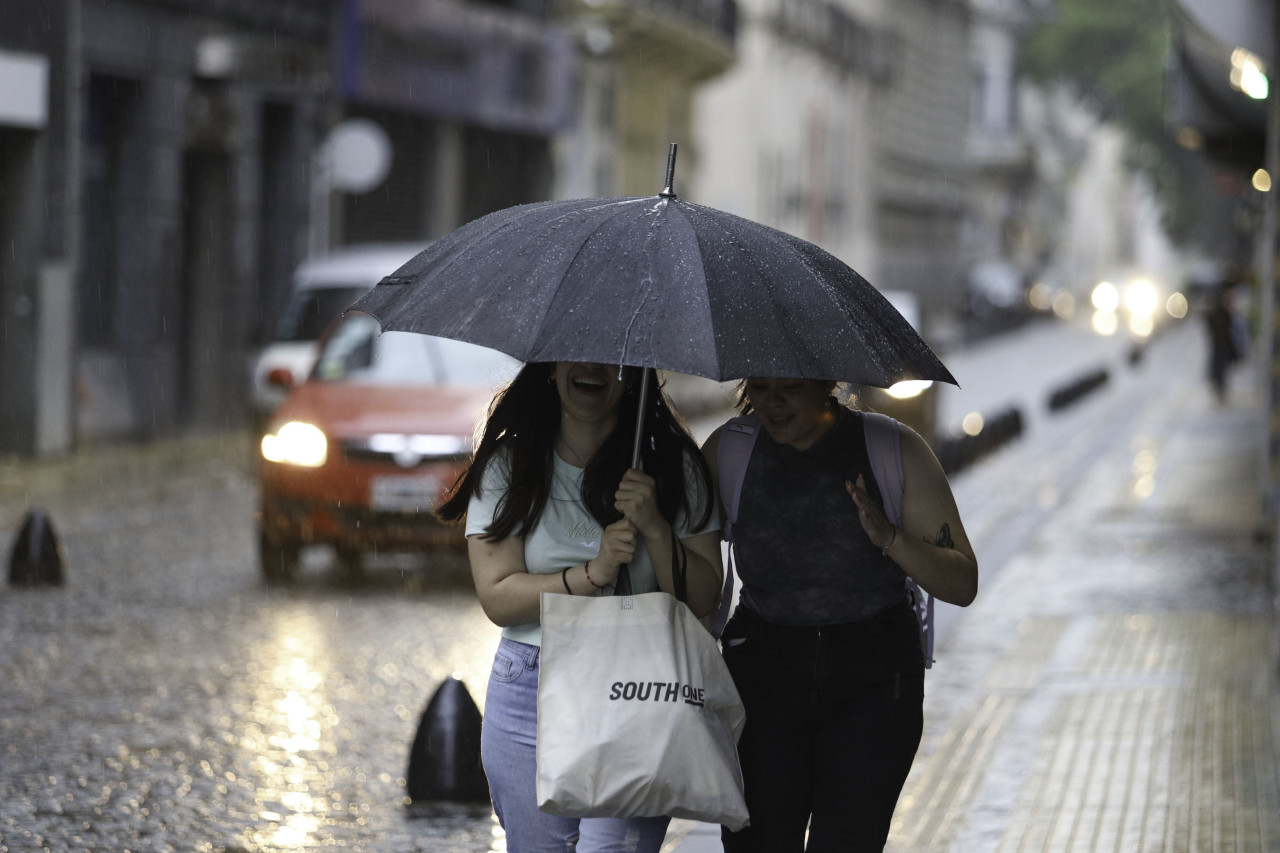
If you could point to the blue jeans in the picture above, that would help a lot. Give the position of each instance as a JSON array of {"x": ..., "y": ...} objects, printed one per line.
[{"x": 507, "y": 749}]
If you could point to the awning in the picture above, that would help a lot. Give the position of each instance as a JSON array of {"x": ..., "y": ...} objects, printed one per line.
[{"x": 1230, "y": 125}]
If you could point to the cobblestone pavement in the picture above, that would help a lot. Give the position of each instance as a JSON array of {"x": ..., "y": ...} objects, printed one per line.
[
  {"x": 165, "y": 700},
  {"x": 1114, "y": 687}
]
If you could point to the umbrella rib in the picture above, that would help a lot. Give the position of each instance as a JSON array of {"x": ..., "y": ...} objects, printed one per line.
[
  {"x": 624, "y": 207},
  {"x": 778, "y": 240},
  {"x": 507, "y": 224}
]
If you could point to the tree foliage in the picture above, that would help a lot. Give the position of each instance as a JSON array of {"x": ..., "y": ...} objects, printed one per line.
[{"x": 1113, "y": 54}]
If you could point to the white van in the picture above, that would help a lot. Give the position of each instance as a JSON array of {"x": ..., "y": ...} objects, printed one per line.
[{"x": 323, "y": 287}]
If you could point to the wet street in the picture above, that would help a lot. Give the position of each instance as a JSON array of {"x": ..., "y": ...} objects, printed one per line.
[{"x": 165, "y": 699}]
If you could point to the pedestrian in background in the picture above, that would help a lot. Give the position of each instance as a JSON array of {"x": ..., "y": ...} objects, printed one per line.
[
  {"x": 1224, "y": 338},
  {"x": 823, "y": 646},
  {"x": 552, "y": 505}
]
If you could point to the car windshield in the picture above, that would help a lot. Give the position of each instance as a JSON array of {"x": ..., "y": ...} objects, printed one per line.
[
  {"x": 311, "y": 311},
  {"x": 357, "y": 352}
]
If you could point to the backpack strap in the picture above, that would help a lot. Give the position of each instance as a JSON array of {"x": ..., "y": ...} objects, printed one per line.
[
  {"x": 884, "y": 449},
  {"x": 737, "y": 438}
]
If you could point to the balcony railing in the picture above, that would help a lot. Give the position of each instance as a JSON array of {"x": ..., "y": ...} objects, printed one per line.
[
  {"x": 834, "y": 33},
  {"x": 717, "y": 18}
]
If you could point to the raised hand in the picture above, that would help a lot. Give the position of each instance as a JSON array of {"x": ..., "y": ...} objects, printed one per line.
[{"x": 877, "y": 526}]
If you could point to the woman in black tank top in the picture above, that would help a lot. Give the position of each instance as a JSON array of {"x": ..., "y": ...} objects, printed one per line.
[{"x": 823, "y": 646}]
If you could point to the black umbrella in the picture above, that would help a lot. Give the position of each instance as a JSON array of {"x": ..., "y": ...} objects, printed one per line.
[{"x": 653, "y": 282}]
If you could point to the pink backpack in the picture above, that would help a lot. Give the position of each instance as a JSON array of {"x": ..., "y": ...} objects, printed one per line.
[{"x": 885, "y": 452}]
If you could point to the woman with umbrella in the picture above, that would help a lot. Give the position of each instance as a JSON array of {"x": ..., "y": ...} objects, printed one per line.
[
  {"x": 824, "y": 646},
  {"x": 658, "y": 281},
  {"x": 552, "y": 504}
]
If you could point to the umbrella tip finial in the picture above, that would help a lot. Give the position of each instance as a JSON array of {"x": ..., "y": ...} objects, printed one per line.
[{"x": 669, "y": 190}]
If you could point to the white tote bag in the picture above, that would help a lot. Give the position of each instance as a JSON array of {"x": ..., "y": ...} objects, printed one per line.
[{"x": 637, "y": 713}]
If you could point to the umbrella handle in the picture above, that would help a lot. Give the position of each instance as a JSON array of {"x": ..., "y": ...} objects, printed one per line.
[{"x": 623, "y": 584}]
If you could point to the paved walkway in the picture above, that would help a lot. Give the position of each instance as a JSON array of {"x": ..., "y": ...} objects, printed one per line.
[{"x": 1114, "y": 688}]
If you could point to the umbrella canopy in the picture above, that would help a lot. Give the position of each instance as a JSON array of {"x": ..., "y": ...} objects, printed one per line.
[{"x": 653, "y": 282}]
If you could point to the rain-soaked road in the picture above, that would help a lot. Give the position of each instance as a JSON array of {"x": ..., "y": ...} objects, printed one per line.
[{"x": 166, "y": 700}]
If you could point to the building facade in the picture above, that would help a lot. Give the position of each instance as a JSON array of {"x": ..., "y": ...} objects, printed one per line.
[
  {"x": 924, "y": 174},
  {"x": 1006, "y": 252},
  {"x": 161, "y": 185},
  {"x": 641, "y": 66},
  {"x": 786, "y": 137},
  {"x": 470, "y": 95},
  {"x": 166, "y": 164},
  {"x": 886, "y": 132}
]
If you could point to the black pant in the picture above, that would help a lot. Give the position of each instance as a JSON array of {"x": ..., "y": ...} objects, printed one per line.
[{"x": 834, "y": 717}]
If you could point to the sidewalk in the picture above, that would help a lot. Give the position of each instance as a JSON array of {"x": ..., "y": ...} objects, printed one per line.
[{"x": 1114, "y": 687}]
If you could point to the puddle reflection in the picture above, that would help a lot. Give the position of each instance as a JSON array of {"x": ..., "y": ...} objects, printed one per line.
[{"x": 289, "y": 735}]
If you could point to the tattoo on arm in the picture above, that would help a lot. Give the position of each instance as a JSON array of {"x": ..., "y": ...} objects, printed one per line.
[{"x": 943, "y": 539}]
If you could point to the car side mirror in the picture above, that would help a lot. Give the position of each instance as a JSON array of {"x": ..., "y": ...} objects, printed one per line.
[{"x": 280, "y": 377}]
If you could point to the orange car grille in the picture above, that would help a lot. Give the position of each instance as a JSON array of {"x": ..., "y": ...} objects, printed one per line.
[{"x": 360, "y": 452}]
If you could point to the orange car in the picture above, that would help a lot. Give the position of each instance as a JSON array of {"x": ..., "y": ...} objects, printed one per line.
[{"x": 359, "y": 455}]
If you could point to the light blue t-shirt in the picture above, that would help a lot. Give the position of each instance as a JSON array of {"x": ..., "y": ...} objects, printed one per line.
[{"x": 567, "y": 534}]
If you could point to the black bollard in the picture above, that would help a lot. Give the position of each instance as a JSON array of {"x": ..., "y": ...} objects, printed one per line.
[
  {"x": 36, "y": 558},
  {"x": 444, "y": 762}
]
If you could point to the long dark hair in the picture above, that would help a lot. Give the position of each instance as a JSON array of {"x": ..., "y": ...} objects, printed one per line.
[{"x": 523, "y": 422}]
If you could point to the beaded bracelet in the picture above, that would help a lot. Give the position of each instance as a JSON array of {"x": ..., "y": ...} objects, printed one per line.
[{"x": 587, "y": 567}]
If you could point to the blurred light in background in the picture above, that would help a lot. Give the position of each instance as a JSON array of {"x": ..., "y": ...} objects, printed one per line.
[
  {"x": 1040, "y": 296},
  {"x": 1176, "y": 305},
  {"x": 1141, "y": 297},
  {"x": 1105, "y": 323},
  {"x": 909, "y": 388},
  {"x": 1064, "y": 305},
  {"x": 1248, "y": 74},
  {"x": 1144, "y": 468},
  {"x": 972, "y": 423},
  {"x": 1190, "y": 139},
  {"x": 1261, "y": 181},
  {"x": 1142, "y": 325},
  {"x": 1105, "y": 297}
]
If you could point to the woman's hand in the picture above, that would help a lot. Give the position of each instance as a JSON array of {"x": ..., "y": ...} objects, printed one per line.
[
  {"x": 617, "y": 548},
  {"x": 637, "y": 500},
  {"x": 931, "y": 546},
  {"x": 877, "y": 526}
]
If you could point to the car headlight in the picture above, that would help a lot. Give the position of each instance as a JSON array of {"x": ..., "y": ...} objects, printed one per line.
[
  {"x": 1141, "y": 297},
  {"x": 1105, "y": 297},
  {"x": 296, "y": 443}
]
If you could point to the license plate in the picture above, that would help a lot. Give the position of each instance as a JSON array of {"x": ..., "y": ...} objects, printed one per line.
[{"x": 405, "y": 494}]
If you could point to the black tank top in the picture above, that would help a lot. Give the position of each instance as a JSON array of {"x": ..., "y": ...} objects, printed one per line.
[{"x": 801, "y": 552}]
